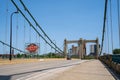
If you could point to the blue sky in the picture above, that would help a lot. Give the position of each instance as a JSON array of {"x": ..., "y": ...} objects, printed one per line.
[{"x": 60, "y": 19}]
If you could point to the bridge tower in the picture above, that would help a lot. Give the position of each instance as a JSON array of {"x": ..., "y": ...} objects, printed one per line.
[{"x": 81, "y": 46}]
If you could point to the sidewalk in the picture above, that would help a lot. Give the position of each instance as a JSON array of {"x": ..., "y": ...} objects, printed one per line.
[{"x": 91, "y": 70}]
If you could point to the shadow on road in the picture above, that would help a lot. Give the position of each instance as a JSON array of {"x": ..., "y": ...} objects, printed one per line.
[
  {"x": 39, "y": 70},
  {"x": 5, "y": 77}
]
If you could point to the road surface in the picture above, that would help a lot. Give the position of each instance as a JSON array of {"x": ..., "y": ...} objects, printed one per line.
[{"x": 33, "y": 71}]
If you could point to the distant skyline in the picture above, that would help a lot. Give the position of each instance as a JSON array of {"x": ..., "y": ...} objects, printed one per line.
[{"x": 60, "y": 19}]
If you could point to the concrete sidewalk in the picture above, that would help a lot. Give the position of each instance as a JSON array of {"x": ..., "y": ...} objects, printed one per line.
[{"x": 90, "y": 70}]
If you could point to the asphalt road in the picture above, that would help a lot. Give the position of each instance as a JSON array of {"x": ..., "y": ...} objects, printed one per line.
[{"x": 35, "y": 71}]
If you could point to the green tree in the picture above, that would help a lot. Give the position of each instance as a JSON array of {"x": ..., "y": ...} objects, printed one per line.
[
  {"x": 116, "y": 51},
  {"x": 18, "y": 55}
]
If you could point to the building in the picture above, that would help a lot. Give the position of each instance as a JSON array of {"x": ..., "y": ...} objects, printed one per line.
[
  {"x": 93, "y": 50},
  {"x": 75, "y": 51}
]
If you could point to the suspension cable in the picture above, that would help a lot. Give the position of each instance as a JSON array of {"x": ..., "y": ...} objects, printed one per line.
[
  {"x": 36, "y": 36},
  {"x": 12, "y": 47},
  {"x": 45, "y": 49},
  {"x": 118, "y": 20},
  {"x": 105, "y": 42},
  {"x": 6, "y": 28},
  {"x": 39, "y": 25},
  {"x": 103, "y": 33},
  {"x": 111, "y": 25},
  {"x": 39, "y": 42},
  {"x": 107, "y": 31},
  {"x": 17, "y": 31},
  {"x": 34, "y": 27},
  {"x": 30, "y": 34},
  {"x": 24, "y": 34},
  {"x": 51, "y": 53}
]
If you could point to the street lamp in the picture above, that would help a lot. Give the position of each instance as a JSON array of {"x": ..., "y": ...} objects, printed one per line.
[{"x": 10, "y": 57}]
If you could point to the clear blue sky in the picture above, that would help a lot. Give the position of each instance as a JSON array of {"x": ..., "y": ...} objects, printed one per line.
[{"x": 70, "y": 19}]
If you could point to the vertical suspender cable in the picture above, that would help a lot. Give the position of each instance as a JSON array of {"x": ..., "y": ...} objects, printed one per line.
[
  {"x": 118, "y": 21},
  {"x": 24, "y": 34},
  {"x": 6, "y": 28},
  {"x": 107, "y": 31},
  {"x": 111, "y": 25},
  {"x": 39, "y": 42},
  {"x": 17, "y": 32},
  {"x": 6, "y": 24},
  {"x": 24, "y": 39},
  {"x": 51, "y": 53},
  {"x": 36, "y": 35},
  {"x": 39, "y": 45},
  {"x": 105, "y": 42},
  {"x": 45, "y": 44},
  {"x": 30, "y": 34}
]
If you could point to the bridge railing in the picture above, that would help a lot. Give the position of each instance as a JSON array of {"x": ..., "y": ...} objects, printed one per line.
[{"x": 112, "y": 61}]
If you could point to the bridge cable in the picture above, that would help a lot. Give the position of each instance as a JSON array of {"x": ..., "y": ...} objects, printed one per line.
[
  {"x": 17, "y": 31},
  {"x": 6, "y": 28},
  {"x": 24, "y": 34},
  {"x": 30, "y": 34},
  {"x": 111, "y": 25},
  {"x": 51, "y": 52},
  {"x": 36, "y": 36},
  {"x": 104, "y": 20},
  {"x": 36, "y": 41},
  {"x": 118, "y": 20},
  {"x": 12, "y": 46},
  {"x": 32, "y": 25},
  {"x": 105, "y": 42},
  {"x": 45, "y": 49},
  {"x": 39, "y": 43},
  {"x": 107, "y": 31},
  {"x": 38, "y": 25}
]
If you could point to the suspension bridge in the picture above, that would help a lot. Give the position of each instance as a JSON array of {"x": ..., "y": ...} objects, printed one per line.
[{"x": 24, "y": 41}]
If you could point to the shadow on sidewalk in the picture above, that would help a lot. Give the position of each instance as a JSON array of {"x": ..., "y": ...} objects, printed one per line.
[{"x": 113, "y": 72}]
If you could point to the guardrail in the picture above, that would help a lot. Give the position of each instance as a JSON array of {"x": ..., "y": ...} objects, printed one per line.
[{"x": 112, "y": 61}]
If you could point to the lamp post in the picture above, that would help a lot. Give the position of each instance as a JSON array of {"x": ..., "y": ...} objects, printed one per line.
[{"x": 10, "y": 57}]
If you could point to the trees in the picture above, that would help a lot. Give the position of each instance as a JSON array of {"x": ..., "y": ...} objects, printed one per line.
[
  {"x": 47, "y": 55},
  {"x": 116, "y": 51},
  {"x": 18, "y": 55}
]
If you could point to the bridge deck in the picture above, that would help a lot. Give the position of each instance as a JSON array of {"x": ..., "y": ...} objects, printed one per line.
[{"x": 91, "y": 70}]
